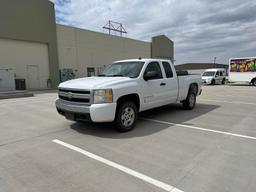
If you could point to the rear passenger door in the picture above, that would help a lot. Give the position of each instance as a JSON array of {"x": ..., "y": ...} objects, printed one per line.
[{"x": 171, "y": 83}]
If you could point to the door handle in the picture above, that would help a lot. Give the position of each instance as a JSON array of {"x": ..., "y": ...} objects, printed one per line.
[{"x": 162, "y": 84}]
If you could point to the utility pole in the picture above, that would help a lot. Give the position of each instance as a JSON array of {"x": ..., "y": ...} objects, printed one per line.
[{"x": 214, "y": 61}]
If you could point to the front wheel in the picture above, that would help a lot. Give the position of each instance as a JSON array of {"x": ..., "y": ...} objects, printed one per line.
[
  {"x": 126, "y": 117},
  {"x": 190, "y": 101},
  {"x": 254, "y": 82},
  {"x": 213, "y": 82}
]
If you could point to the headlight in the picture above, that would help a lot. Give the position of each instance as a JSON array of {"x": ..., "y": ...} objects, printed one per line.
[{"x": 103, "y": 96}]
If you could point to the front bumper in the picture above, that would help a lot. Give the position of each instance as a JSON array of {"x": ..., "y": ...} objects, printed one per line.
[
  {"x": 206, "y": 82},
  {"x": 96, "y": 112}
]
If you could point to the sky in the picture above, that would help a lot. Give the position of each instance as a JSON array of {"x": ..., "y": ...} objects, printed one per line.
[{"x": 200, "y": 29}]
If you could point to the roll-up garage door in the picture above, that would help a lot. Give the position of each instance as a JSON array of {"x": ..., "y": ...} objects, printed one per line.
[{"x": 29, "y": 60}]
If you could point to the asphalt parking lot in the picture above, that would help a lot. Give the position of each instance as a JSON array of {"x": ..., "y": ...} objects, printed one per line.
[{"x": 209, "y": 149}]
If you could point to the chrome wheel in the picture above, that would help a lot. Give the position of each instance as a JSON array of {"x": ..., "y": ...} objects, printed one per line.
[{"x": 128, "y": 116}]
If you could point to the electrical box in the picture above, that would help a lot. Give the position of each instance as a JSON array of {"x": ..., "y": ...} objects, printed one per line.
[
  {"x": 20, "y": 84},
  {"x": 7, "y": 81}
]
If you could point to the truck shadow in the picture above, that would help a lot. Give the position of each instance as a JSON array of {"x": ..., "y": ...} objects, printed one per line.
[{"x": 172, "y": 113}]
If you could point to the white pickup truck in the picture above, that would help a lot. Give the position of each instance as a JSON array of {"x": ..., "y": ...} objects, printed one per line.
[{"x": 125, "y": 88}]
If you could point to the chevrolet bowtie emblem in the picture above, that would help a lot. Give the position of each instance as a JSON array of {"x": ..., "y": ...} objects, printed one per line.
[{"x": 70, "y": 95}]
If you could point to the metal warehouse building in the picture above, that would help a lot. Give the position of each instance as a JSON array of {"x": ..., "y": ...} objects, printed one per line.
[
  {"x": 199, "y": 68},
  {"x": 41, "y": 53}
]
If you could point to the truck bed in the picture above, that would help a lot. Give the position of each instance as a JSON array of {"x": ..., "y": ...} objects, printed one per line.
[{"x": 184, "y": 81}]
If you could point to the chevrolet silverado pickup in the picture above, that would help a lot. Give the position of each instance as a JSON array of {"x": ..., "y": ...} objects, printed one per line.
[{"x": 124, "y": 89}]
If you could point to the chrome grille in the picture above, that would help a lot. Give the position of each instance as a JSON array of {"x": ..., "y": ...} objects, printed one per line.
[{"x": 74, "y": 95}]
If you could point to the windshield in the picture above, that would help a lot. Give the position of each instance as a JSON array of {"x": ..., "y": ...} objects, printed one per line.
[
  {"x": 123, "y": 69},
  {"x": 209, "y": 73}
]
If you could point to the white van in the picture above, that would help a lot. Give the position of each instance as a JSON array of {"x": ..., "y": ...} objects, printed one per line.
[
  {"x": 242, "y": 70},
  {"x": 214, "y": 76}
]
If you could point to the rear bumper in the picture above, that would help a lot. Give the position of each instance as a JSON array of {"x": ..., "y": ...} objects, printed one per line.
[{"x": 95, "y": 112}]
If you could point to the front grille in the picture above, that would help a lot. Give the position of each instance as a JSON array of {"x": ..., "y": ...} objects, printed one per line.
[
  {"x": 75, "y": 99},
  {"x": 82, "y": 96},
  {"x": 75, "y": 91}
]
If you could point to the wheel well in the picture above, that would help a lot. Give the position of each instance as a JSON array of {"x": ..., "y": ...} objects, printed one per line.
[
  {"x": 254, "y": 79},
  {"x": 132, "y": 98},
  {"x": 194, "y": 87}
]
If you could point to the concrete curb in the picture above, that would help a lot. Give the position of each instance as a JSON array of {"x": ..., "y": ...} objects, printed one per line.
[{"x": 15, "y": 94}]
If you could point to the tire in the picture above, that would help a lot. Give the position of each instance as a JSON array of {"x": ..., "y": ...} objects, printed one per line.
[
  {"x": 126, "y": 117},
  {"x": 254, "y": 82},
  {"x": 213, "y": 82},
  {"x": 223, "y": 82},
  {"x": 190, "y": 101}
]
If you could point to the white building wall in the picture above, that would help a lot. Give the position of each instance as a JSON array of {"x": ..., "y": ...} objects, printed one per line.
[{"x": 79, "y": 49}]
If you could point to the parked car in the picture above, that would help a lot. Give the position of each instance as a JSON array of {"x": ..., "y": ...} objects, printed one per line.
[
  {"x": 242, "y": 70},
  {"x": 214, "y": 76},
  {"x": 125, "y": 88}
]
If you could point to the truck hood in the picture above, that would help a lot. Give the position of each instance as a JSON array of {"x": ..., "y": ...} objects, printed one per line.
[{"x": 94, "y": 82}]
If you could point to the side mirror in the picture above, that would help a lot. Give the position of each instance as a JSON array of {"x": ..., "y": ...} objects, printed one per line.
[
  {"x": 150, "y": 75},
  {"x": 216, "y": 75}
]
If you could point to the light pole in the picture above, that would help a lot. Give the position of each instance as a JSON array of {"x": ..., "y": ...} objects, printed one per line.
[{"x": 214, "y": 61}]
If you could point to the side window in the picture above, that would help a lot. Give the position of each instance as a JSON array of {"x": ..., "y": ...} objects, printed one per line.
[
  {"x": 218, "y": 73},
  {"x": 154, "y": 67},
  {"x": 168, "y": 70},
  {"x": 221, "y": 73}
]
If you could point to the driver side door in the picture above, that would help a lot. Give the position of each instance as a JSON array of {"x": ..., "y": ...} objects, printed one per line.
[{"x": 154, "y": 89}]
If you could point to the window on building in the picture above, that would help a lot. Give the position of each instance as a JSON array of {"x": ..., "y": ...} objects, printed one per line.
[{"x": 90, "y": 71}]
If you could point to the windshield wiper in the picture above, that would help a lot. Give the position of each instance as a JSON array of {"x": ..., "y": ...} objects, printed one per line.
[
  {"x": 117, "y": 75},
  {"x": 103, "y": 75},
  {"x": 114, "y": 76}
]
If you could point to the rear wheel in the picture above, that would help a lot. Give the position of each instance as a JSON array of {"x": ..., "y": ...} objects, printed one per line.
[
  {"x": 126, "y": 117},
  {"x": 223, "y": 81},
  {"x": 190, "y": 101}
]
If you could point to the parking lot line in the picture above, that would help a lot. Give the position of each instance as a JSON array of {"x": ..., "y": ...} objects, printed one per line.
[
  {"x": 201, "y": 129},
  {"x": 224, "y": 101},
  {"x": 235, "y": 96},
  {"x": 122, "y": 168}
]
